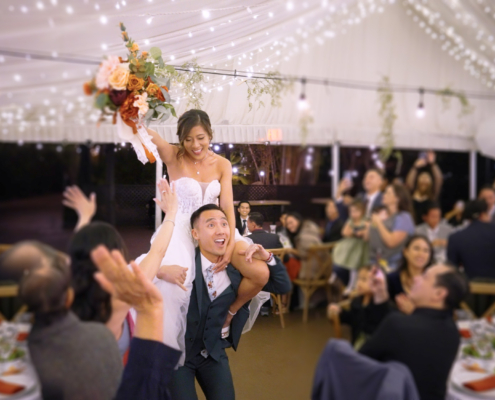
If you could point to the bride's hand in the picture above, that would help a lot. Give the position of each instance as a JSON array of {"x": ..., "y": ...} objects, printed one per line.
[
  {"x": 174, "y": 274},
  {"x": 224, "y": 260},
  {"x": 256, "y": 251},
  {"x": 168, "y": 201}
]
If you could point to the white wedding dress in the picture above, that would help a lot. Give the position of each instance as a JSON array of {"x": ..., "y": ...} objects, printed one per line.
[{"x": 181, "y": 251}]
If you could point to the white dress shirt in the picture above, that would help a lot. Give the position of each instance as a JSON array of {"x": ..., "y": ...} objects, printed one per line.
[
  {"x": 220, "y": 279},
  {"x": 370, "y": 199}
]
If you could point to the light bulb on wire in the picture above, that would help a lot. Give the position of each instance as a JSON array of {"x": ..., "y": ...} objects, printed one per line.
[
  {"x": 302, "y": 104},
  {"x": 420, "y": 111}
]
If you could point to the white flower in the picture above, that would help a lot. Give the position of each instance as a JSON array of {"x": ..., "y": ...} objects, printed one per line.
[
  {"x": 142, "y": 103},
  {"x": 106, "y": 69}
]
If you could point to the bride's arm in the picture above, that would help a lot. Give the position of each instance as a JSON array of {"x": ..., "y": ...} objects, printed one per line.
[
  {"x": 168, "y": 203},
  {"x": 227, "y": 205},
  {"x": 167, "y": 151}
]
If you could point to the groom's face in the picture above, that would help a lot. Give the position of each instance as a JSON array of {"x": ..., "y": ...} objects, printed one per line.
[{"x": 212, "y": 232}]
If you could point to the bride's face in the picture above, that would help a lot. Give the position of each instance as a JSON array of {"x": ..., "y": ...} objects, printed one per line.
[
  {"x": 212, "y": 232},
  {"x": 197, "y": 143}
]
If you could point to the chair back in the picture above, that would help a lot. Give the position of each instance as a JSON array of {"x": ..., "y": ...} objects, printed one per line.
[{"x": 318, "y": 263}]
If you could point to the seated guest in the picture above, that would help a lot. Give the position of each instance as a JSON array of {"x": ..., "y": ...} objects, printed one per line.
[
  {"x": 416, "y": 257},
  {"x": 473, "y": 247},
  {"x": 73, "y": 359},
  {"x": 303, "y": 234},
  {"x": 151, "y": 363},
  {"x": 426, "y": 341},
  {"x": 487, "y": 193},
  {"x": 361, "y": 329},
  {"x": 258, "y": 235},
  {"x": 387, "y": 238},
  {"x": 436, "y": 230},
  {"x": 333, "y": 223},
  {"x": 243, "y": 209}
]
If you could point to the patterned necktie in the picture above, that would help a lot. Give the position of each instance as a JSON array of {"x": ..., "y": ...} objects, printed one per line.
[{"x": 210, "y": 283}]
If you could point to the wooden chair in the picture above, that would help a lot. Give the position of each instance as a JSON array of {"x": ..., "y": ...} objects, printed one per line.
[
  {"x": 277, "y": 298},
  {"x": 315, "y": 278},
  {"x": 481, "y": 288}
]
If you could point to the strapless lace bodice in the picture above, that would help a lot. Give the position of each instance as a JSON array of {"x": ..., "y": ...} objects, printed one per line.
[{"x": 193, "y": 194}]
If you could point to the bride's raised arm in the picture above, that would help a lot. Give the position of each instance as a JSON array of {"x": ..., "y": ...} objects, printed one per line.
[{"x": 167, "y": 151}]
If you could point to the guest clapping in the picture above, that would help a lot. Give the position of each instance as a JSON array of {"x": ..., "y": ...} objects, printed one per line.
[
  {"x": 416, "y": 257},
  {"x": 387, "y": 238},
  {"x": 424, "y": 180}
]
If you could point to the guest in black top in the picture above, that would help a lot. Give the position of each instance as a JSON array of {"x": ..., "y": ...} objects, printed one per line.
[
  {"x": 258, "y": 235},
  {"x": 426, "y": 341},
  {"x": 473, "y": 247},
  {"x": 416, "y": 257},
  {"x": 333, "y": 223},
  {"x": 243, "y": 210}
]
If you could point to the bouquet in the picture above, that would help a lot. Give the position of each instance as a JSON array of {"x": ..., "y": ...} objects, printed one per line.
[{"x": 135, "y": 91}]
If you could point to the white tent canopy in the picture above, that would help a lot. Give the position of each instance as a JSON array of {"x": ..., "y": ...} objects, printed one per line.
[{"x": 443, "y": 44}]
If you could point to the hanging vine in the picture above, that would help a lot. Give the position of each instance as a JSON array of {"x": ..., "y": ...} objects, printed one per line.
[
  {"x": 388, "y": 115},
  {"x": 447, "y": 94},
  {"x": 266, "y": 86}
]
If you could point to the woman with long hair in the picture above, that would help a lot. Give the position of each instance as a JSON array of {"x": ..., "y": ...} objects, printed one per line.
[
  {"x": 416, "y": 257},
  {"x": 387, "y": 237}
]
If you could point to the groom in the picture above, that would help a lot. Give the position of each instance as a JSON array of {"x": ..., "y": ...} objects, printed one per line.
[{"x": 211, "y": 297}]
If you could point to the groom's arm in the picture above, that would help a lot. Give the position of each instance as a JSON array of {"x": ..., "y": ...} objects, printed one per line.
[{"x": 279, "y": 281}]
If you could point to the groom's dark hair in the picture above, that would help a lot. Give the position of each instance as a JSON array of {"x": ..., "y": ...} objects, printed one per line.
[{"x": 207, "y": 207}]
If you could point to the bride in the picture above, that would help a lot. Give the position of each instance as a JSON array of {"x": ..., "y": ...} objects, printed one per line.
[{"x": 199, "y": 177}]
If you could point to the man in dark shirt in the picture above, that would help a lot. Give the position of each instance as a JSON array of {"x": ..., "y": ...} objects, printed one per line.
[
  {"x": 258, "y": 235},
  {"x": 472, "y": 247},
  {"x": 426, "y": 341}
]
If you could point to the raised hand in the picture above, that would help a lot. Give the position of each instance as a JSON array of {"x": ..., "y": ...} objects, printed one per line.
[
  {"x": 168, "y": 201},
  {"x": 128, "y": 285},
  {"x": 174, "y": 274},
  {"x": 378, "y": 285},
  {"x": 431, "y": 157},
  {"x": 84, "y": 207}
]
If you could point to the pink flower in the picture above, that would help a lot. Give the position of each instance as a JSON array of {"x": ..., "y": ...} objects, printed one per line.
[
  {"x": 106, "y": 69},
  {"x": 141, "y": 103}
]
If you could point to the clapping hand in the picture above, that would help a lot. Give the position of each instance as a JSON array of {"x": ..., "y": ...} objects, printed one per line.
[
  {"x": 404, "y": 304},
  {"x": 378, "y": 285},
  {"x": 84, "y": 207}
]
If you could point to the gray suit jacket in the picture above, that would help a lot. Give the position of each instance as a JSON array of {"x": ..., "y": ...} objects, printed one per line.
[
  {"x": 342, "y": 373},
  {"x": 75, "y": 360}
]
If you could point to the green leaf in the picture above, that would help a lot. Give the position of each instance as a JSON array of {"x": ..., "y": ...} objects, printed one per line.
[
  {"x": 171, "y": 108},
  {"x": 122, "y": 27},
  {"x": 155, "y": 52},
  {"x": 161, "y": 109},
  {"x": 165, "y": 95},
  {"x": 170, "y": 69},
  {"x": 140, "y": 75},
  {"x": 161, "y": 64},
  {"x": 132, "y": 68},
  {"x": 102, "y": 100},
  {"x": 150, "y": 68}
]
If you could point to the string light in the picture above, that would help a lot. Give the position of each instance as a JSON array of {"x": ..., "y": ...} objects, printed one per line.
[
  {"x": 302, "y": 104},
  {"x": 205, "y": 13},
  {"x": 420, "y": 111}
]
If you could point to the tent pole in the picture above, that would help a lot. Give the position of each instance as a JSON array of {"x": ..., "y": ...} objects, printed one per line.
[
  {"x": 335, "y": 168},
  {"x": 158, "y": 211},
  {"x": 472, "y": 174}
]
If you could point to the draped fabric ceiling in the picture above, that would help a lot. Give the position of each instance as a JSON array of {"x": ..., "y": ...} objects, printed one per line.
[{"x": 415, "y": 43}]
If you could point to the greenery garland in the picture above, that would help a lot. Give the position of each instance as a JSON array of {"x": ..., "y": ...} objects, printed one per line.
[
  {"x": 388, "y": 115},
  {"x": 447, "y": 94},
  {"x": 267, "y": 86}
]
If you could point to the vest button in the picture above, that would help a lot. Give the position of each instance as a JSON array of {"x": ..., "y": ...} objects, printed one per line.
[{"x": 191, "y": 340}]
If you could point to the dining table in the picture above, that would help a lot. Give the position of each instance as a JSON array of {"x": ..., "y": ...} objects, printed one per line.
[
  {"x": 475, "y": 361},
  {"x": 17, "y": 373}
]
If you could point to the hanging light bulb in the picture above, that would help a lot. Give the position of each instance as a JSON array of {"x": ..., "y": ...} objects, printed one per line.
[
  {"x": 420, "y": 111},
  {"x": 302, "y": 104}
]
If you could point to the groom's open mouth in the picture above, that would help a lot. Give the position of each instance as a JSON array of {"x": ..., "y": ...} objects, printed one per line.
[{"x": 220, "y": 242}]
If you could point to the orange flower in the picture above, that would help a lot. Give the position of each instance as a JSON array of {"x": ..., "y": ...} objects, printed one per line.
[
  {"x": 88, "y": 89},
  {"x": 135, "y": 83},
  {"x": 154, "y": 90},
  {"x": 144, "y": 54},
  {"x": 125, "y": 36},
  {"x": 134, "y": 47},
  {"x": 127, "y": 110}
]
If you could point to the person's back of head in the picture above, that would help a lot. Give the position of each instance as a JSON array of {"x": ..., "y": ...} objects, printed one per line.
[
  {"x": 257, "y": 218},
  {"x": 21, "y": 257},
  {"x": 45, "y": 288},
  {"x": 91, "y": 302},
  {"x": 476, "y": 210},
  {"x": 457, "y": 286}
]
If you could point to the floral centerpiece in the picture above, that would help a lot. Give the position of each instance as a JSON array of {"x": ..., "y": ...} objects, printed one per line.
[{"x": 135, "y": 91}]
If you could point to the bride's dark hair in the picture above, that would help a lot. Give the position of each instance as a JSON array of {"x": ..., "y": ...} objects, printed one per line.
[{"x": 189, "y": 120}]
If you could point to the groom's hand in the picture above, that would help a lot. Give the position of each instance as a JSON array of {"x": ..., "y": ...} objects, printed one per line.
[{"x": 256, "y": 251}]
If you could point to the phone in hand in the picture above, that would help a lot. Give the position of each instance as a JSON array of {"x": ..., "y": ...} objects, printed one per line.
[
  {"x": 348, "y": 176},
  {"x": 423, "y": 156}
]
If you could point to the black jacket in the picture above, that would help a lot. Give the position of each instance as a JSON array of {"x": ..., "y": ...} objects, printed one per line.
[
  {"x": 425, "y": 341},
  {"x": 267, "y": 240},
  {"x": 332, "y": 230},
  {"x": 473, "y": 248}
]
